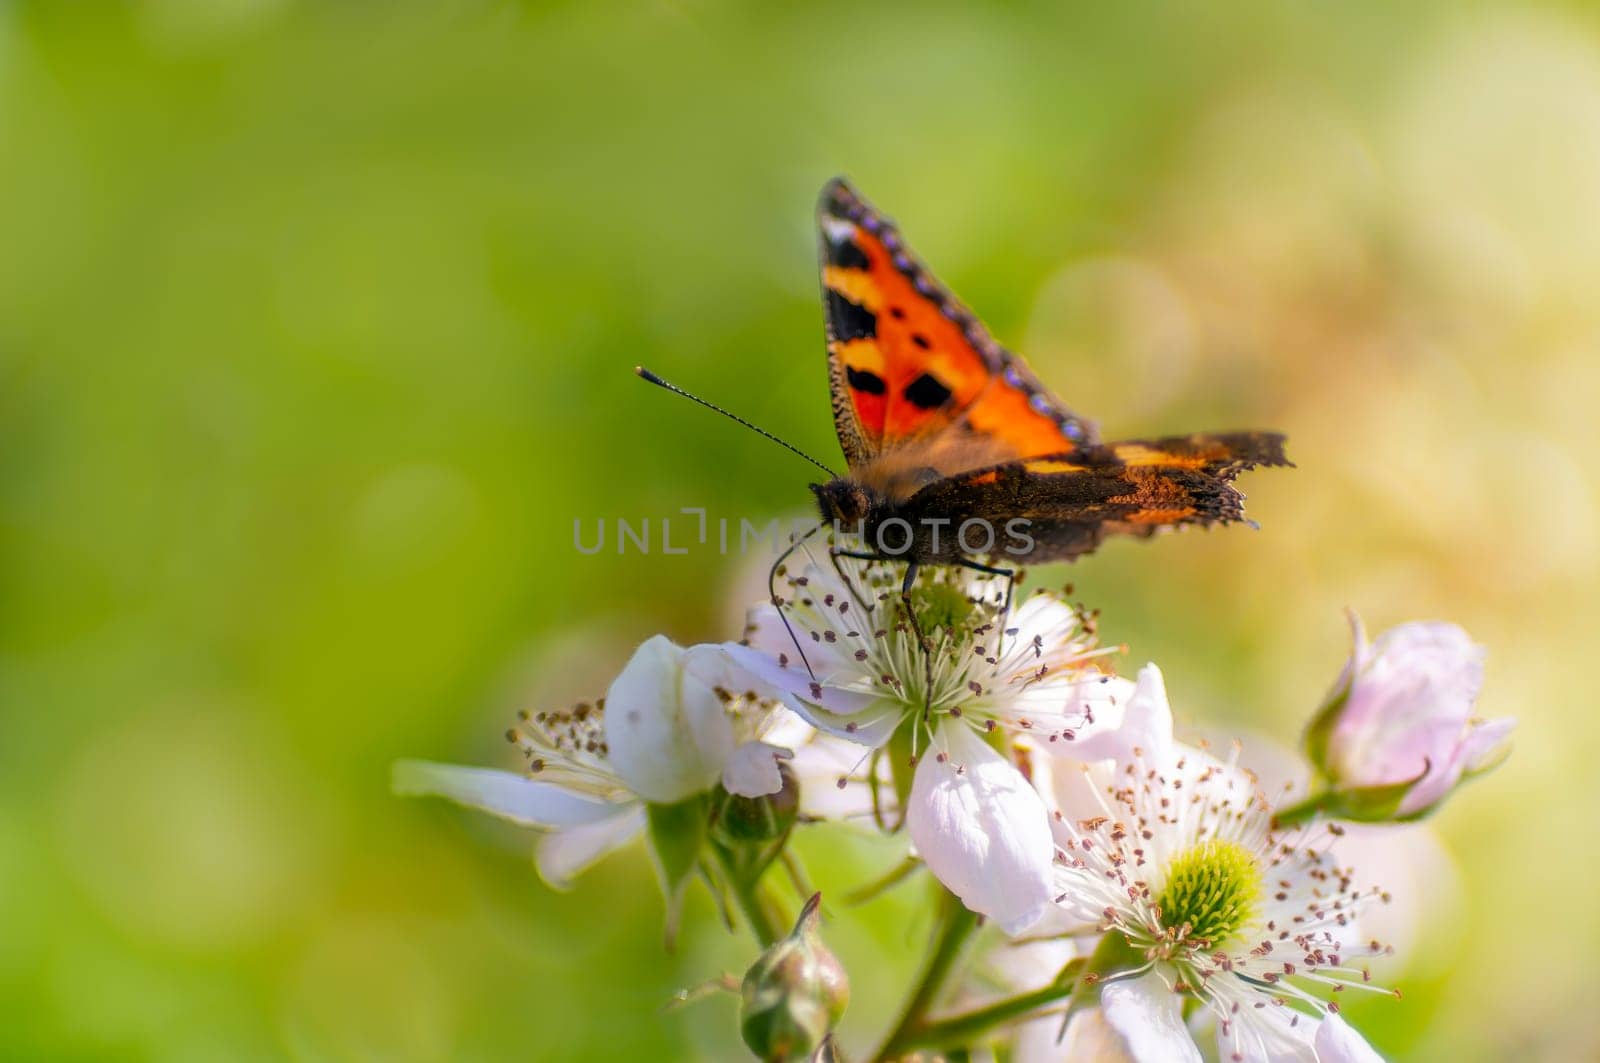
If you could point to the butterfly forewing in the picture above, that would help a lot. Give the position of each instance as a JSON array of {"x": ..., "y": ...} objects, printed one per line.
[{"x": 912, "y": 371}]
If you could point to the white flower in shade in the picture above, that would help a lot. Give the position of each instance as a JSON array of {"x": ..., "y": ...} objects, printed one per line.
[
  {"x": 674, "y": 723},
  {"x": 860, "y": 674},
  {"x": 1201, "y": 900},
  {"x": 1396, "y": 733}
]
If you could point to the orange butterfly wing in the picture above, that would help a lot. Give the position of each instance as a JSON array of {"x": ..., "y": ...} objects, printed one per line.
[{"x": 917, "y": 380}]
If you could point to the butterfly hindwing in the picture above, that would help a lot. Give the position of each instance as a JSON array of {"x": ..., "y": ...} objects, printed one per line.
[
  {"x": 910, "y": 367},
  {"x": 1071, "y": 501}
]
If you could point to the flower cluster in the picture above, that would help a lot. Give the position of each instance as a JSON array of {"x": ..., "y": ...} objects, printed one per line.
[
  {"x": 947, "y": 712},
  {"x": 1042, "y": 791}
]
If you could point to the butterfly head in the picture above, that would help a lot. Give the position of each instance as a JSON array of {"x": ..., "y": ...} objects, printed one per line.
[{"x": 843, "y": 500}]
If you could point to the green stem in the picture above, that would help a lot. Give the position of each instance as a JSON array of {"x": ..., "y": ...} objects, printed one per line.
[
  {"x": 896, "y": 875},
  {"x": 956, "y": 924},
  {"x": 1111, "y": 956},
  {"x": 760, "y": 909},
  {"x": 962, "y": 1029}
]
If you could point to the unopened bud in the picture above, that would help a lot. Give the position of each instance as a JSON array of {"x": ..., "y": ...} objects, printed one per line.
[
  {"x": 1396, "y": 734},
  {"x": 794, "y": 994},
  {"x": 743, "y": 820}
]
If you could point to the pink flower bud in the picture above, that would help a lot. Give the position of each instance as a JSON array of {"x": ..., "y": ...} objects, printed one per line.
[{"x": 1396, "y": 733}]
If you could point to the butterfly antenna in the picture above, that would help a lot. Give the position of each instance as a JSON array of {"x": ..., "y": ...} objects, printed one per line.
[{"x": 676, "y": 390}]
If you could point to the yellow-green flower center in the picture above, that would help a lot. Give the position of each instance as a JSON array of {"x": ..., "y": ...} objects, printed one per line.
[
  {"x": 1213, "y": 891},
  {"x": 939, "y": 604}
]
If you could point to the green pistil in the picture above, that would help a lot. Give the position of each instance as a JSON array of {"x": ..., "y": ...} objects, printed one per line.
[
  {"x": 942, "y": 605},
  {"x": 1213, "y": 890}
]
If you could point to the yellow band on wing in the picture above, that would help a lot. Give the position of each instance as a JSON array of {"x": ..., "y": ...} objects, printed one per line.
[
  {"x": 1047, "y": 466},
  {"x": 855, "y": 285}
]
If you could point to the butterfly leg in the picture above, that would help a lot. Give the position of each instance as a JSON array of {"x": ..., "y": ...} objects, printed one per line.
[
  {"x": 1010, "y": 575},
  {"x": 777, "y": 602},
  {"x": 924, "y": 643},
  {"x": 834, "y": 554}
]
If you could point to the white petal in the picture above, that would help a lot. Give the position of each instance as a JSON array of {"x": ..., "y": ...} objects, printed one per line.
[
  {"x": 562, "y": 854},
  {"x": 1421, "y": 875},
  {"x": 787, "y": 728},
  {"x": 714, "y": 666},
  {"x": 982, "y": 831},
  {"x": 1035, "y": 961},
  {"x": 707, "y": 675},
  {"x": 765, "y": 632},
  {"x": 1149, "y": 1018},
  {"x": 1338, "y": 1042},
  {"x": 822, "y": 762},
  {"x": 1089, "y": 1038},
  {"x": 793, "y": 680},
  {"x": 1480, "y": 745},
  {"x": 1434, "y": 639},
  {"x": 1280, "y": 771},
  {"x": 1146, "y": 725},
  {"x": 667, "y": 734},
  {"x": 1048, "y": 617},
  {"x": 1484, "y": 742},
  {"x": 1100, "y": 700},
  {"x": 506, "y": 794},
  {"x": 871, "y": 727},
  {"x": 752, "y": 770},
  {"x": 1267, "y": 1035},
  {"x": 1407, "y": 707}
]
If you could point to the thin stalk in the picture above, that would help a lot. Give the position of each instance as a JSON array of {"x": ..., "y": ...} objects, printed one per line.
[
  {"x": 956, "y": 924},
  {"x": 760, "y": 909},
  {"x": 892, "y": 878}
]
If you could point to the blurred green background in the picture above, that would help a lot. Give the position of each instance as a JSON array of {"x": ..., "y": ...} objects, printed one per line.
[{"x": 316, "y": 323}]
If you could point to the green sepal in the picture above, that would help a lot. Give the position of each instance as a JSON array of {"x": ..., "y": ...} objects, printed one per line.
[
  {"x": 677, "y": 836},
  {"x": 1318, "y": 731},
  {"x": 1370, "y": 804},
  {"x": 1362, "y": 804},
  {"x": 1111, "y": 957},
  {"x": 901, "y": 770}
]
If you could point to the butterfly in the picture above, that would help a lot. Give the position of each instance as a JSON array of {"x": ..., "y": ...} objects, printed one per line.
[{"x": 957, "y": 451}]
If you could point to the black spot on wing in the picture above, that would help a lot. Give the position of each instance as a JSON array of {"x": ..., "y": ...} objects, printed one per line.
[
  {"x": 866, "y": 381},
  {"x": 921, "y": 341},
  {"x": 926, "y": 392},
  {"x": 850, "y": 321},
  {"x": 847, "y": 255}
]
